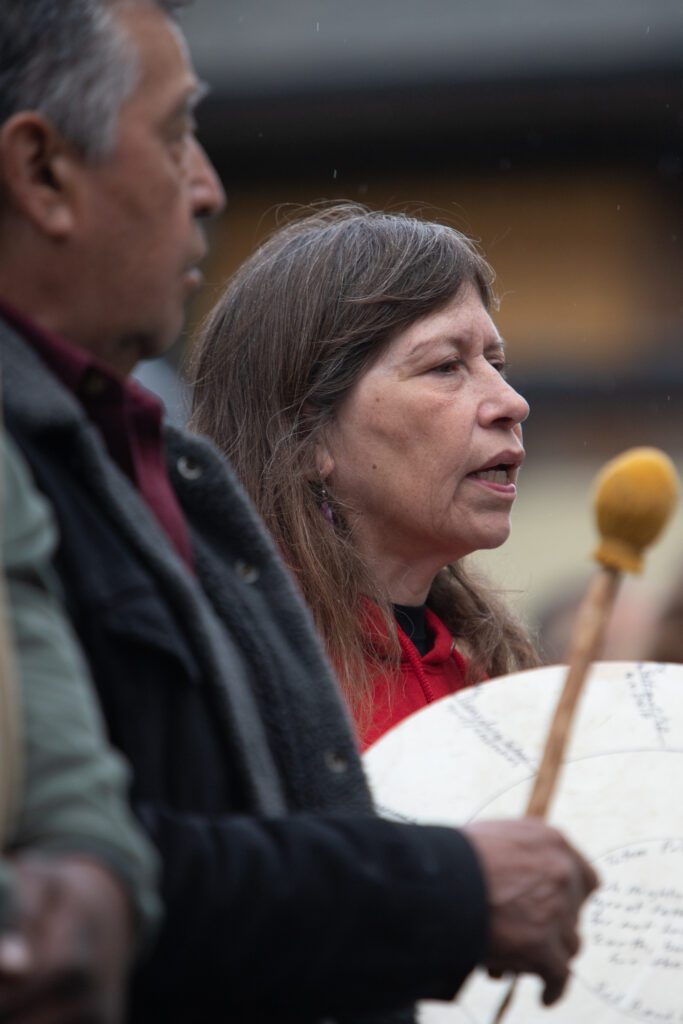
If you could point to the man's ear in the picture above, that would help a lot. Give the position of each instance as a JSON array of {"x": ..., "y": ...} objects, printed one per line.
[{"x": 36, "y": 166}]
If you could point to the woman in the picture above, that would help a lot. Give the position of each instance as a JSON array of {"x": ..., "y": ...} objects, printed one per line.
[{"x": 354, "y": 377}]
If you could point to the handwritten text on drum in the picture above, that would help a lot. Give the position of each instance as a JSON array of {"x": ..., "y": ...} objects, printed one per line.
[{"x": 634, "y": 925}]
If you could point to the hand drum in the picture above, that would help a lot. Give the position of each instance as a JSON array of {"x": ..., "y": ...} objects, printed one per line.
[{"x": 474, "y": 755}]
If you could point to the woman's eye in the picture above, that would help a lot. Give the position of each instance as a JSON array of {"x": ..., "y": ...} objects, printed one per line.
[
  {"x": 449, "y": 367},
  {"x": 501, "y": 366}
]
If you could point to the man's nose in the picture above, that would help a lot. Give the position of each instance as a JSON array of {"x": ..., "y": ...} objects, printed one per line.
[{"x": 208, "y": 196}]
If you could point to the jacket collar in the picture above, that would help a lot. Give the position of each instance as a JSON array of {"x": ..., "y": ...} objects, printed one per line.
[
  {"x": 25, "y": 374},
  {"x": 441, "y": 650},
  {"x": 39, "y": 405}
]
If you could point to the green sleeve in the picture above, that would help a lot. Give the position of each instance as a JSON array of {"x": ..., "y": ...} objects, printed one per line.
[{"x": 74, "y": 783}]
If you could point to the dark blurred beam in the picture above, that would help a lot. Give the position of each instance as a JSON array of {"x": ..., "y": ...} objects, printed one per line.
[{"x": 636, "y": 117}]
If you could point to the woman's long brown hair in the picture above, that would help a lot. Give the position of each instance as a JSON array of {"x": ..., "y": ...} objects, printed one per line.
[{"x": 296, "y": 326}]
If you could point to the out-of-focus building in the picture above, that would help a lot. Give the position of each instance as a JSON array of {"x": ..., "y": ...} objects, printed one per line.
[{"x": 550, "y": 131}]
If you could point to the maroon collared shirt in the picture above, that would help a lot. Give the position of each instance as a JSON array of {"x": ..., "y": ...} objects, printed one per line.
[{"x": 127, "y": 416}]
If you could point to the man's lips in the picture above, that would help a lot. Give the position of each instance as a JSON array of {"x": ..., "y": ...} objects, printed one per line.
[{"x": 193, "y": 277}]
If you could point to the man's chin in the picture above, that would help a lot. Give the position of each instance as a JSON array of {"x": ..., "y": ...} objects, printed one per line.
[{"x": 136, "y": 348}]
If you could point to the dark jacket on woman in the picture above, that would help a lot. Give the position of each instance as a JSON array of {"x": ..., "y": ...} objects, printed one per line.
[{"x": 285, "y": 898}]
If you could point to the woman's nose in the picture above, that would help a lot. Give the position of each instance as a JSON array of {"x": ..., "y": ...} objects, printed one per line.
[{"x": 503, "y": 403}]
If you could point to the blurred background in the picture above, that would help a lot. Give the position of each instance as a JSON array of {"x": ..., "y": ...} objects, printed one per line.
[{"x": 550, "y": 131}]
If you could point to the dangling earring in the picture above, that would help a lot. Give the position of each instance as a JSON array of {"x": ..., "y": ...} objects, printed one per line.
[{"x": 325, "y": 506}]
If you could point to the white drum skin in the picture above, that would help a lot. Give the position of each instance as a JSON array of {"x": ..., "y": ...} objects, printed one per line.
[{"x": 474, "y": 755}]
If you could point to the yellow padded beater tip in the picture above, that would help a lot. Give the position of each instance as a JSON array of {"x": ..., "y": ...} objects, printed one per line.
[{"x": 635, "y": 494}]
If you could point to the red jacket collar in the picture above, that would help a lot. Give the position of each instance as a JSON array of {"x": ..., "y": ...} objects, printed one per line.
[{"x": 442, "y": 649}]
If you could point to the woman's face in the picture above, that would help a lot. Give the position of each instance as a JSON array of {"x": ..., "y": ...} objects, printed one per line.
[{"x": 427, "y": 444}]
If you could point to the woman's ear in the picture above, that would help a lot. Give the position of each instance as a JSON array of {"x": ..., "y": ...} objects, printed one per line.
[
  {"x": 324, "y": 463},
  {"x": 35, "y": 168}
]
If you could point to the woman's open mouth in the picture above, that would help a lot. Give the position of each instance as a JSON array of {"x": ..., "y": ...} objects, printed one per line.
[
  {"x": 500, "y": 474},
  {"x": 496, "y": 475}
]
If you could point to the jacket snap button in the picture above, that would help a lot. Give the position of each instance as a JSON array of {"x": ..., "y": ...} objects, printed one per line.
[
  {"x": 249, "y": 573},
  {"x": 336, "y": 763},
  {"x": 188, "y": 468}
]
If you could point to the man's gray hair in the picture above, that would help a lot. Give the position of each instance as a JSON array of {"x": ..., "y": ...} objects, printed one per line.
[{"x": 70, "y": 61}]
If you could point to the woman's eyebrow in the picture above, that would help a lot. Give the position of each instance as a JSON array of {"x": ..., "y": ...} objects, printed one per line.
[
  {"x": 417, "y": 348},
  {"x": 464, "y": 340},
  {"x": 495, "y": 346}
]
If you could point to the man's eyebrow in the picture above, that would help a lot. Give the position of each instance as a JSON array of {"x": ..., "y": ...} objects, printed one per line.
[
  {"x": 188, "y": 103},
  {"x": 199, "y": 93}
]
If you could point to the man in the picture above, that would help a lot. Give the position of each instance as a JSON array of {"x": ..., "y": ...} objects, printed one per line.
[
  {"x": 76, "y": 885},
  {"x": 285, "y": 898}
]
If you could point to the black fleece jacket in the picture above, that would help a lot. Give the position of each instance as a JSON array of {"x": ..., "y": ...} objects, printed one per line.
[{"x": 286, "y": 898}]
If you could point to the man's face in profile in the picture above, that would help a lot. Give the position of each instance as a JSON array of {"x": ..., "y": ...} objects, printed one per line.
[{"x": 138, "y": 206}]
